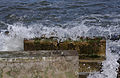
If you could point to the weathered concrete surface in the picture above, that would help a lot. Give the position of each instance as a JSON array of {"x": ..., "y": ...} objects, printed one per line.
[
  {"x": 48, "y": 58},
  {"x": 87, "y": 48},
  {"x": 46, "y": 64},
  {"x": 33, "y": 65},
  {"x": 89, "y": 66},
  {"x": 40, "y": 53},
  {"x": 91, "y": 52}
]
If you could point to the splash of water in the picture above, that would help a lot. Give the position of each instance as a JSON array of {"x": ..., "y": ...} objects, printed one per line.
[
  {"x": 110, "y": 65},
  {"x": 17, "y": 32}
]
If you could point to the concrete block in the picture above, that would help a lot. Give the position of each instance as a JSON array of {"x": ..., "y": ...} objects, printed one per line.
[
  {"x": 87, "y": 48},
  {"x": 37, "y": 64}
]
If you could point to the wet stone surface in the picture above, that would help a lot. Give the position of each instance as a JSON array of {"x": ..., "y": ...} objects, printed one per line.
[{"x": 86, "y": 48}]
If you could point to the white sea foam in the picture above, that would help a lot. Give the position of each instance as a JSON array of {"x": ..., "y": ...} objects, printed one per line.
[
  {"x": 110, "y": 65},
  {"x": 17, "y": 33}
]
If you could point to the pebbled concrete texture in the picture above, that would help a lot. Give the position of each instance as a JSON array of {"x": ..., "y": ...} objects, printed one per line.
[{"x": 42, "y": 67}]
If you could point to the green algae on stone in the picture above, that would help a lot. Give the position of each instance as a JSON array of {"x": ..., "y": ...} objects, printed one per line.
[
  {"x": 66, "y": 45},
  {"x": 94, "y": 47},
  {"x": 45, "y": 44}
]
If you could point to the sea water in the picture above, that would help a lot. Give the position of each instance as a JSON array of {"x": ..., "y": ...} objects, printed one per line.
[{"x": 63, "y": 19}]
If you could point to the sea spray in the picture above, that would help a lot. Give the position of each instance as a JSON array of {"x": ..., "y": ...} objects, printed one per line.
[
  {"x": 18, "y": 31},
  {"x": 110, "y": 65}
]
